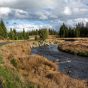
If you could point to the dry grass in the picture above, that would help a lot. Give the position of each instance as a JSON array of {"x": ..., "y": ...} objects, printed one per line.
[
  {"x": 79, "y": 46},
  {"x": 43, "y": 73},
  {"x": 36, "y": 69},
  {"x": 15, "y": 50}
]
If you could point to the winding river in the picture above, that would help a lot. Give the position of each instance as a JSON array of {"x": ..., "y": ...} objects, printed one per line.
[{"x": 72, "y": 65}]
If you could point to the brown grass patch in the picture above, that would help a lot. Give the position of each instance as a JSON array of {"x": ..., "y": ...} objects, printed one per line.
[{"x": 79, "y": 47}]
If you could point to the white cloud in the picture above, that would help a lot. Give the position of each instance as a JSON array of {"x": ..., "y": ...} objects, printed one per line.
[
  {"x": 4, "y": 11},
  {"x": 28, "y": 27},
  {"x": 21, "y": 13},
  {"x": 67, "y": 11}
]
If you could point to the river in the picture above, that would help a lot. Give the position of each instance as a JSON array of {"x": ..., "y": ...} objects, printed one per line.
[{"x": 72, "y": 65}]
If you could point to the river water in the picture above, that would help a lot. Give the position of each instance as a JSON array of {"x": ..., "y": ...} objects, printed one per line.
[{"x": 72, "y": 65}]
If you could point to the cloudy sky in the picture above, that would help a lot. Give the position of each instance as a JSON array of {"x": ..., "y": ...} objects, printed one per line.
[{"x": 43, "y": 13}]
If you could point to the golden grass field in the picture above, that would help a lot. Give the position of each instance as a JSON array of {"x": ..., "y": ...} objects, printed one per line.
[{"x": 35, "y": 69}]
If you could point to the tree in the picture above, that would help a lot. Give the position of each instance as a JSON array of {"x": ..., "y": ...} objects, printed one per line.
[
  {"x": 24, "y": 34},
  {"x": 71, "y": 32},
  {"x": 15, "y": 34},
  {"x": 52, "y": 32},
  {"x": 43, "y": 34},
  {"x": 63, "y": 31},
  {"x": 10, "y": 35},
  {"x": 78, "y": 29},
  {"x": 77, "y": 32},
  {"x": 3, "y": 29}
]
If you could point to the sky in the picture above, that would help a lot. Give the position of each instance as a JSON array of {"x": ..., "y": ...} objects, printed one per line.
[{"x": 34, "y": 14}]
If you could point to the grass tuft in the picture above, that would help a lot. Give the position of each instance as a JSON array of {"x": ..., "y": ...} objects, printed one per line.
[{"x": 14, "y": 62}]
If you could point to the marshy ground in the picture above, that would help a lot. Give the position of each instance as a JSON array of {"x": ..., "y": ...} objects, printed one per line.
[{"x": 75, "y": 46}]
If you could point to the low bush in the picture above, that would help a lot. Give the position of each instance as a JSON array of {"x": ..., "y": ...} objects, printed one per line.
[{"x": 14, "y": 62}]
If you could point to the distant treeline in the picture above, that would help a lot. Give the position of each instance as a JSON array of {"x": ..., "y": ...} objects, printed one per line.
[
  {"x": 14, "y": 35},
  {"x": 81, "y": 30}
]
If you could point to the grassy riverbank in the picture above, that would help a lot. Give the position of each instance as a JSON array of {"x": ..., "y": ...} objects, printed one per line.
[
  {"x": 20, "y": 69},
  {"x": 75, "y": 46}
]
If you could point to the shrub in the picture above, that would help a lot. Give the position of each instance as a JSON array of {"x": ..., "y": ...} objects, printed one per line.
[
  {"x": 14, "y": 62},
  {"x": 43, "y": 34}
]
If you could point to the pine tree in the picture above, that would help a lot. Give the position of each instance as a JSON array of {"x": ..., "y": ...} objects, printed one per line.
[
  {"x": 15, "y": 34},
  {"x": 10, "y": 35},
  {"x": 1, "y": 33},
  {"x": 25, "y": 35},
  {"x": 63, "y": 31},
  {"x": 77, "y": 32},
  {"x": 3, "y": 30}
]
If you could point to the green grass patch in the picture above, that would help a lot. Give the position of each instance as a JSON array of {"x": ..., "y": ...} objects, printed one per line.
[
  {"x": 10, "y": 80},
  {"x": 1, "y": 59}
]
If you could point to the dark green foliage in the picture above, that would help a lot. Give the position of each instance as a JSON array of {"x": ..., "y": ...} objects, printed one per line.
[
  {"x": 63, "y": 31},
  {"x": 79, "y": 31},
  {"x": 3, "y": 30},
  {"x": 43, "y": 34},
  {"x": 52, "y": 32},
  {"x": 14, "y": 35},
  {"x": 33, "y": 32}
]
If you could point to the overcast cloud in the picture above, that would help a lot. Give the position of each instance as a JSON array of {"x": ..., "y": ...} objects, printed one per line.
[{"x": 64, "y": 10}]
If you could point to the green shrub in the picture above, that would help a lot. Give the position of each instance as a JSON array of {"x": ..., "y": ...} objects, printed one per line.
[{"x": 14, "y": 62}]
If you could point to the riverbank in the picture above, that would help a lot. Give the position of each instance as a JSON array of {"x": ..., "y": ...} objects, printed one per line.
[
  {"x": 21, "y": 69},
  {"x": 76, "y": 46},
  {"x": 18, "y": 68}
]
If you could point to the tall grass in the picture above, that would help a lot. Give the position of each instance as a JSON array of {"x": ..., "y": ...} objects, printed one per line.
[{"x": 78, "y": 47}]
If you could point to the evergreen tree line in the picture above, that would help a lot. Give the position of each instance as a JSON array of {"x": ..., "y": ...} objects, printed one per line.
[
  {"x": 52, "y": 32},
  {"x": 14, "y": 35},
  {"x": 41, "y": 34},
  {"x": 22, "y": 35},
  {"x": 80, "y": 30}
]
